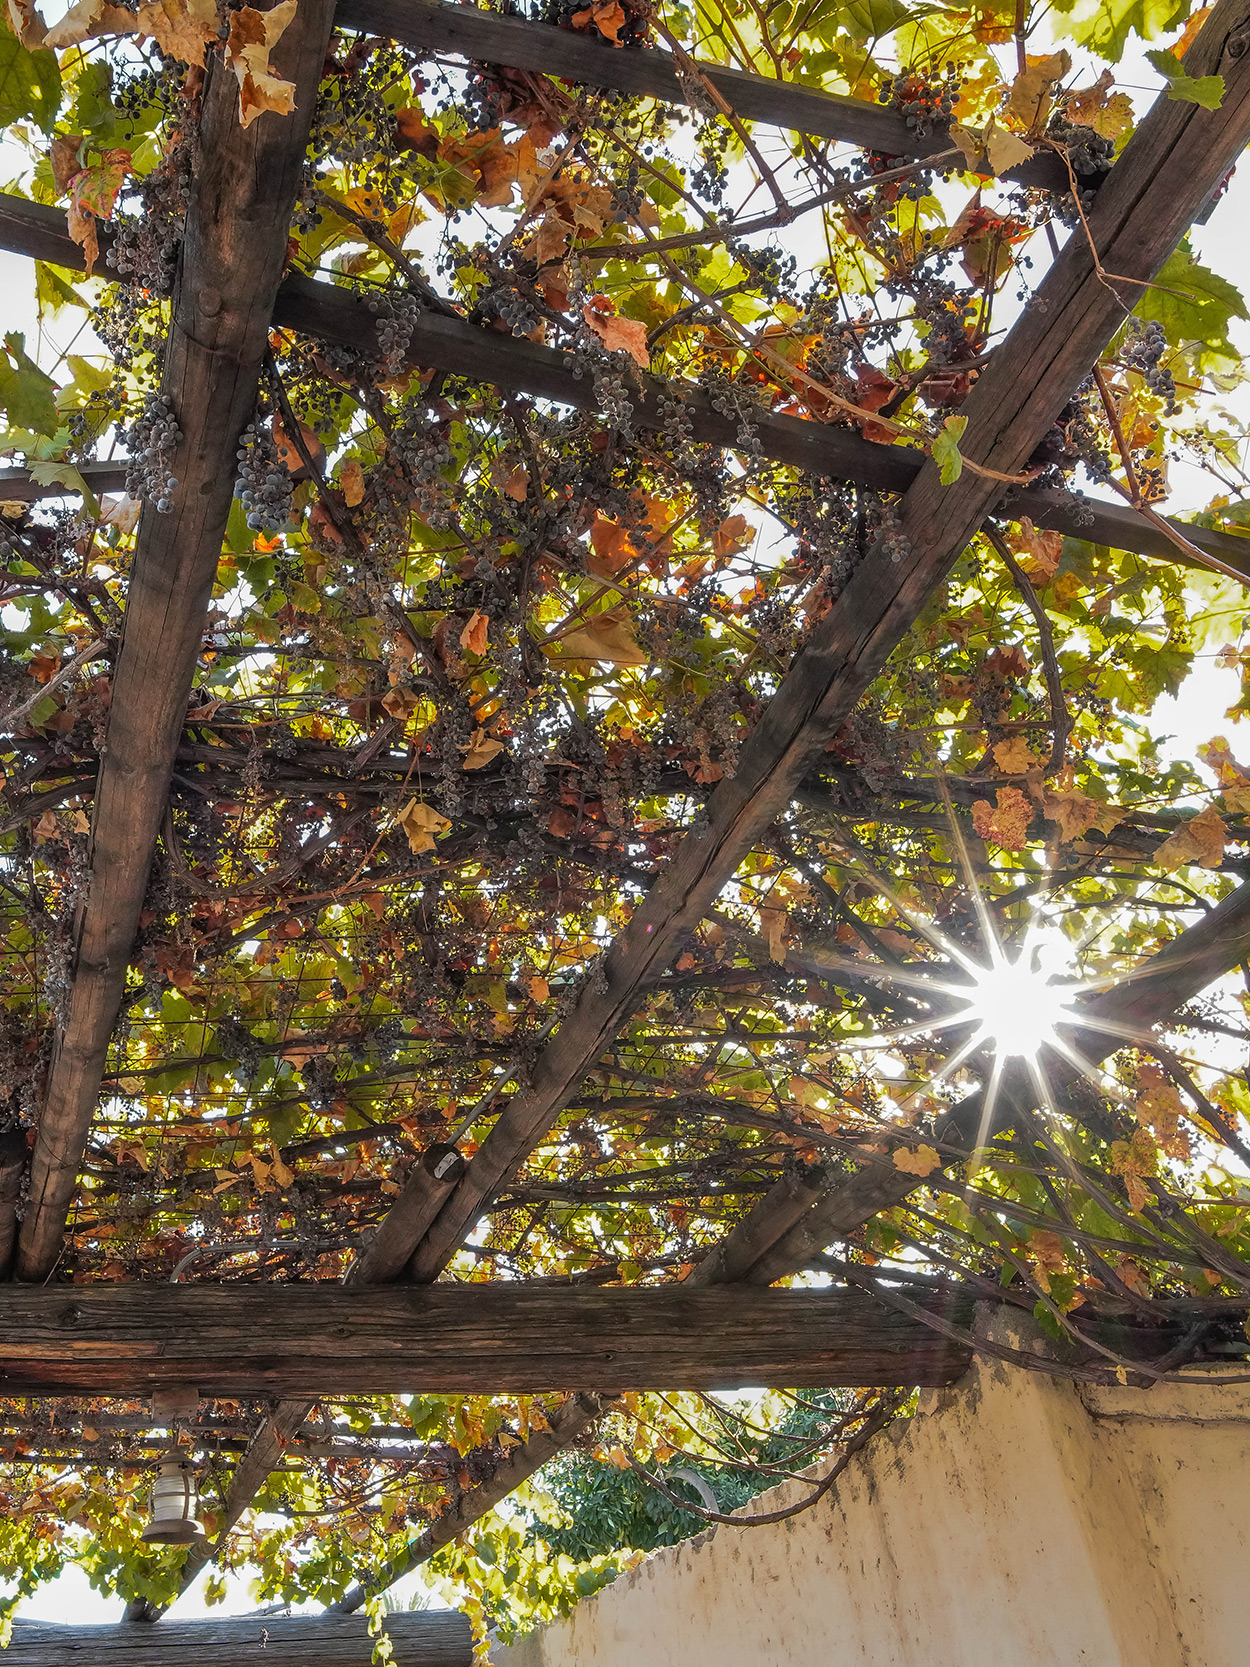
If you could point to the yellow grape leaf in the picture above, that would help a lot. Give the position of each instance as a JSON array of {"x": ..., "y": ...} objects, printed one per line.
[
  {"x": 1201, "y": 840},
  {"x": 773, "y": 921},
  {"x": 1109, "y": 114},
  {"x": 1031, "y": 90},
  {"x": 352, "y": 482},
  {"x": 1007, "y": 823},
  {"x": 1014, "y": 756},
  {"x": 538, "y": 987},
  {"x": 993, "y": 147},
  {"x": 1044, "y": 547},
  {"x": 608, "y": 636},
  {"x": 923, "y": 1161},
  {"x": 480, "y": 750},
  {"x": 618, "y": 335},
  {"x": 473, "y": 637},
  {"x": 182, "y": 29},
  {"x": 282, "y": 1173},
  {"x": 422, "y": 825},
  {"x": 1076, "y": 813},
  {"x": 253, "y": 35}
]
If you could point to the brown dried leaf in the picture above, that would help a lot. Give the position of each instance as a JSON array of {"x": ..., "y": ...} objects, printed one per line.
[
  {"x": 1108, "y": 113},
  {"x": 480, "y": 750},
  {"x": 474, "y": 636},
  {"x": 608, "y": 636},
  {"x": 87, "y": 21},
  {"x": 1014, "y": 756},
  {"x": 773, "y": 921},
  {"x": 183, "y": 29},
  {"x": 26, "y": 22},
  {"x": 1031, "y": 90},
  {"x": 1201, "y": 840},
  {"x": 253, "y": 34},
  {"x": 1075, "y": 812},
  {"x": 550, "y": 241},
  {"x": 1045, "y": 548}
]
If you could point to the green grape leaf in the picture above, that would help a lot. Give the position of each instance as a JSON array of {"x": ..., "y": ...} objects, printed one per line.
[
  {"x": 30, "y": 84},
  {"x": 1195, "y": 306},
  {"x": 27, "y": 394},
  {"x": 1105, "y": 28},
  {"x": 93, "y": 110},
  {"x": 1206, "y": 90},
  {"x": 945, "y": 449}
]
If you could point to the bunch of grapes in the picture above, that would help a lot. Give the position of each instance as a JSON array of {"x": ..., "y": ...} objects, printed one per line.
[
  {"x": 152, "y": 440},
  {"x": 1144, "y": 347},
  {"x": 263, "y": 486},
  {"x": 923, "y": 104}
]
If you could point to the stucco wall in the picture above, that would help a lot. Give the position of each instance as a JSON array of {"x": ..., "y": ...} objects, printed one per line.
[{"x": 1019, "y": 1522}]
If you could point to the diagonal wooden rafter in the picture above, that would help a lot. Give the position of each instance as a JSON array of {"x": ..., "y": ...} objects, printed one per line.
[
  {"x": 518, "y": 365},
  {"x": 1177, "y": 152},
  {"x": 233, "y": 252}
]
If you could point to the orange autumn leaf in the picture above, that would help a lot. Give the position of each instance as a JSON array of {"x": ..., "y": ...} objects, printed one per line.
[
  {"x": 473, "y": 637},
  {"x": 618, "y": 335},
  {"x": 1005, "y": 824}
]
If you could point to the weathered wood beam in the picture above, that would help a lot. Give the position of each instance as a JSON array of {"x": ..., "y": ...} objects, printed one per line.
[
  {"x": 516, "y": 43},
  {"x": 233, "y": 251},
  {"x": 301, "y": 1341},
  {"x": 1177, "y": 152},
  {"x": 19, "y": 486},
  {"x": 13, "y": 1154},
  {"x": 567, "y": 1426},
  {"x": 430, "y": 1638},
  {"x": 774, "y": 1239},
  {"x": 521, "y": 366}
]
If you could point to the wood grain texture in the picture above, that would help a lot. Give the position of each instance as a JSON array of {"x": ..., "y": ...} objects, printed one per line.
[
  {"x": 521, "y": 366},
  {"x": 314, "y": 1339},
  {"x": 233, "y": 252},
  {"x": 588, "y": 60},
  {"x": 1217, "y": 944},
  {"x": 1168, "y": 167},
  {"x": 430, "y": 1639}
]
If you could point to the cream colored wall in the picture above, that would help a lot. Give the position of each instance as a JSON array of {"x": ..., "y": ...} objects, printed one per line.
[{"x": 1019, "y": 1522}]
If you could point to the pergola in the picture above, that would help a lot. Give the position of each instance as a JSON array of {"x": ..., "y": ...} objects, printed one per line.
[{"x": 388, "y": 1309}]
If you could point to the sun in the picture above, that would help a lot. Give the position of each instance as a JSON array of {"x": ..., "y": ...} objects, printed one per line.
[{"x": 1017, "y": 1006}]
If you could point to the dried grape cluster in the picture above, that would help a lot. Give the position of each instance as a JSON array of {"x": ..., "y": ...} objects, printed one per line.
[
  {"x": 152, "y": 440},
  {"x": 263, "y": 486},
  {"x": 1144, "y": 347}
]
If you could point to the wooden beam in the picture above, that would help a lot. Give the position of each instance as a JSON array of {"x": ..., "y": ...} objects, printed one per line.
[
  {"x": 302, "y": 1341},
  {"x": 585, "y": 59},
  {"x": 13, "y": 1153},
  {"x": 521, "y": 366},
  {"x": 233, "y": 251},
  {"x": 772, "y": 1241},
  {"x": 430, "y": 1638},
  {"x": 1177, "y": 152},
  {"x": 516, "y": 1466}
]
